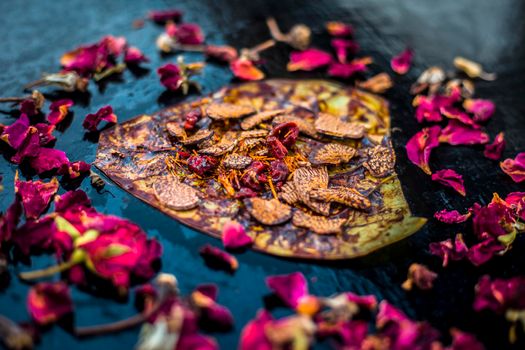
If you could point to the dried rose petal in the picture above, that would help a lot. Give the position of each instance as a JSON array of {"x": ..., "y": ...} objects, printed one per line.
[
  {"x": 204, "y": 297},
  {"x": 492, "y": 220},
  {"x": 457, "y": 133},
  {"x": 29, "y": 147},
  {"x": 35, "y": 234},
  {"x": 343, "y": 48},
  {"x": 429, "y": 108},
  {"x": 308, "y": 60},
  {"x": 85, "y": 60},
  {"x": 113, "y": 45},
  {"x": 464, "y": 341},
  {"x": 48, "y": 302},
  {"x": 495, "y": 149},
  {"x": 450, "y": 178},
  {"x": 170, "y": 76},
  {"x": 346, "y": 70},
  {"x": 420, "y": 276},
  {"x": 482, "y": 109},
  {"x": 162, "y": 16},
  {"x": 47, "y": 159},
  {"x": 58, "y": 111},
  {"x": 291, "y": 288},
  {"x": 222, "y": 53},
  {"x": 105, "y": 113},
  {"x": 72, "y": 201},
  {"x": 134, "y": 56},
  {"x": 449, "y": 250},
  {"x": 219, "y": 258},
  {"x": 451, "y": 217},
  {"x": 402, "y": 62},
  {"x": 234, "y": 236},
  {"x": 245, "y": 69},
  {"x": 515, "y": 168},
  {"x": 286, "y": 133},
  {"x": 35, "y": 195},
  {"x": 45, "y": 133},
  {"x": 253, "y": 336},
  {"x": 455, "y": 113},
  {"x": 186, "y": 33},
  {"x": 482, "y": 252},
  {"x": 499, "y": 295},
  {"x": 339, "y": 29},
  {"x": 16, "y": 133},
  {"x": 421, "y": 144},
  {"x": 75, "y": 169},
  {"x": 9, "y": 221}
]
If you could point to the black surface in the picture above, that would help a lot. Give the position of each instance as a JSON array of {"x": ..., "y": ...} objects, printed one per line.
[{"x": 35, "y": 33}]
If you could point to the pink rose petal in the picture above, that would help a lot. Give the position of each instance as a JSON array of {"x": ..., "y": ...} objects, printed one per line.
[
  {"x": 58, "y": 110},
  {"x": 449, "y": 250},
  {"x": 450, "y": 178},
  {"x": 48, "y": 302},
  {"x": 457, "y": 133},
  {"x": 289, "y": 288},
  {"x": 482, "y": 109},
  {"x": 105, "y": 113},
  {"x": 234, "y": 236},
  {"x": 515, "y": 168},
  {"x": 308, "y": 60},
  {"x": 451, "y": 217},
  {"x": 495, "y": 149},
  {"x": 47, "y": 159},
  {"x": 402, "y": 62},
  {"x": 420, "y": 146},
  {"x": 35, "y": 195}
]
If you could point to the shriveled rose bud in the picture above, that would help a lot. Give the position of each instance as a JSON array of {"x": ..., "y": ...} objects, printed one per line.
[
  {"x": 472, "y": 69},
  {"x": 298, "y": 37},
  {"x": 67, "y": 81},
  {"x": 431, "y": 78}
]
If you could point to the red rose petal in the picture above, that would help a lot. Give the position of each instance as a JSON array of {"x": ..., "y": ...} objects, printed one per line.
[
  {"x": 75, "y": 169},
  {"x": 499, "y": 294},
  {"x": 449, "y": 250},
  {"x": 421, "y": 144},
  {"x": 48, "y": 302},
  {"x": 29, "y": 147},
  {"x": 346, "y": 70},
  {"x": 134, "y": 56},
  {"x": 308, "y": 60},
  {"x": 223, "y": 53},
  {"x": 186, "y": 33},
  {"x": 457, "y": 133},
  {"x": 72, "y": 201},
  {"x": 451, "y": 217},
  {"x": 483, "y": 251},
  {"x": 45, "y": 133},
  {"x": 495, "y": 149},
  {"x": 234, "y": 236},
  {"x": 105, "y": 113},
  {"x": 35, "y": 195},
  {"x": 170, "y": 76},
  {"x": 450, "y": 178},
  {"x": 515, "y": 168},
  {"x": 16, "y": 133},
  {"x": 253, "y": 335},
  {"x": 402, "y": 62},
  {"x": 343, "y": 48}
]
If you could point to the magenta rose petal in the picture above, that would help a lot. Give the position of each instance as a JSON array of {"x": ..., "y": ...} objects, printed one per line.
[
  {"x": 343, "y": 48},
  {"x": 308, "y": 60},
  {"x": 234, "y": 236},
  {"x": 49, "y": 302},
  {"x": 162, "y": 16},
  {"x": 9, "y": 220},
  {"x": 457, "y": 133},
  {"x": 451, "y": 217},
  {"x": 219, "y": 258},
  {"x": 253, "y": 335},
  {"x": 58, "y": 110},
  {"x": 105, "y": 113},
  {"x": 134, "y": 56},
  {"x": 482, "y": 109},
  {"x": 402, "y": 62},
  {"x": 420, "y": 146},
  {"x": 16, "y": 133},
  {"x": 346, "y": 70},
  {"x": 47, "y": 159},
  {"x": 450, "y": 178},
  {"x": 420, "y": 276},
  {"x": 35, "y": 195},
  {"x": 495, "y": 149},
  {"x": 450, "y": 250},
  {"x": 289, "y": 288},
  {"x": 515, "y": 168}
]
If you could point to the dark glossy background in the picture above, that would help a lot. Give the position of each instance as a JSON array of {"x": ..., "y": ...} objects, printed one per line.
[{"x": 35, "y": 33}]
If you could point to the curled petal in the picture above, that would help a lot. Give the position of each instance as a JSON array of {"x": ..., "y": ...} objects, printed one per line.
[
  {"x": 16, "y": 133},
  {"x": 483, "y": 251},
  {"x": 133, "y": 55},
  {"x": 482, "y": 109},
  {"x": 457, "y": 133},
  {"x": 170, "y": 76},
  {"x": 48, "y": 302},
  {"x": 450, "y": 178},
  {"x": 72, "y": 201},
  {"x": 420, "y": 146},
  {"x": 219, "y": 258},
  {"x": 58, "y": 110},
  {"x": 451, "y": 217},
  {"x": 420, "y": 276},
  {"x": 455, "y": 113},
  {"x": 29, "y": 147},
  {"x": 402, "y": 62},
  {"x": 495, "y": 149},
  {"x": 344, "y": 47},
  {"x": 186, "y": 33},
  {"x": 35, "y": 195},
  {"x": 245, "y": 69},
  {"x": 291, "y": 288},
  {"x": 234, "y": 236},
  {"x": 47, "y": 159},
  {"x": 204, "y": 298},
  {"x": 105, "y": 113},
  {"x": 339, "y": 29},
  {"x": 449, "y": 250},
  {"x": 308, "y": 60},
  {"x": 346, "y": 70},
  {"x": 45, "y": 133},
  {"x": 515, "y": 168}
]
